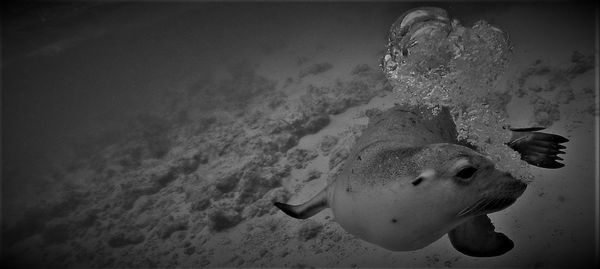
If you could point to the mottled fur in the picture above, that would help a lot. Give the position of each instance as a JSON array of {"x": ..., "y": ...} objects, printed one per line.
[{"x": 398, "y": 134}]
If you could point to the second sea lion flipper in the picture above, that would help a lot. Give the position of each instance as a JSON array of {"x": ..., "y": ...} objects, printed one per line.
[
  {"x": 308, "y": 209},
  {"x": 476, "y": 237},
  {"x": 538, "y": 148}
]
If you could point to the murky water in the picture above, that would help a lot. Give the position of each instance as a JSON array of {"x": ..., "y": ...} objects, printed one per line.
[{"x": 158, "y": 135}]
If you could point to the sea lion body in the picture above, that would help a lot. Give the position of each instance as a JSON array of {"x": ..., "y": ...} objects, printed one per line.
[
  {"x": 408, "y": 182},
  {"x": 373, "y": 197}
]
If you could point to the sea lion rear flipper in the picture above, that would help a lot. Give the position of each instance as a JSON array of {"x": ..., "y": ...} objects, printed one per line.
[
  {"x": 308, "y": 209},
  {"x": 537, "y": 148},
  {"x": 476, "y": 237}
]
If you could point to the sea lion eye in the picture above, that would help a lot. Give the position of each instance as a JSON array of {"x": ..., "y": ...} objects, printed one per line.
[
  {"x": 466, "y": 172},
  {"x": 404, "y": 52}
]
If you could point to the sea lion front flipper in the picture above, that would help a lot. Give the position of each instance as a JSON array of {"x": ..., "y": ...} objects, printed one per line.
[
  {"x": 476, "y": 237},
  {"x": 537, "y": 148},
  {"x": 308, "y": 209}
]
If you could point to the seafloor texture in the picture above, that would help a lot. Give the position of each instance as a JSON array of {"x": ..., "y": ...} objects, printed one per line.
[{"x": 163, "y": 141}]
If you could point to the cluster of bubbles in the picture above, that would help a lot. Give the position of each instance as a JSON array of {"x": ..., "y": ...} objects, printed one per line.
[{"x": 434, "y": 61}]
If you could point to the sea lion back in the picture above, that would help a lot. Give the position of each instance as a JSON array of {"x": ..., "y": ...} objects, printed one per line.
[{"x": 404, "y": 127}]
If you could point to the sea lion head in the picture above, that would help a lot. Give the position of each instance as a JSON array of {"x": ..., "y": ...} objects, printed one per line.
[
  {"x": 405, "y": 198},
  {"x": 476, "y": 185}
]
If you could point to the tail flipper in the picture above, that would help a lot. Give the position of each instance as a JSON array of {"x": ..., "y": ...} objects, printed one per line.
[
  {"x": 308, "y": 209},
  {"x": 537, "y": 148}
]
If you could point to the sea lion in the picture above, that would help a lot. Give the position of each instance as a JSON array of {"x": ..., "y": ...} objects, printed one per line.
[{"x": 408, "y": 181}]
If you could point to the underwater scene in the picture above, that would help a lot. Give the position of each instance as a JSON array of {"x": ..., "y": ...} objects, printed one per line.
[{"x": 299, "y": 134}]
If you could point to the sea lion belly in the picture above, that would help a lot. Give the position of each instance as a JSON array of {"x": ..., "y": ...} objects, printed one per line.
[{"x": 388, "y": 215}]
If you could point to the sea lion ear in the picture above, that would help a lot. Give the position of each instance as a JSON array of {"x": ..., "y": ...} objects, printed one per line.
[
  {"x": 425, "y": 175},
  {"x": 476, "y": 237}
]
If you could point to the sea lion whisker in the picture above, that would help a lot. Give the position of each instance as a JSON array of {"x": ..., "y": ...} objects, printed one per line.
[
  {"x": 495, "y": 203},
  {"x": 470, "y": 208},
  {"x": 483, "y": 206},
  {"x": 467, "y": 209}
]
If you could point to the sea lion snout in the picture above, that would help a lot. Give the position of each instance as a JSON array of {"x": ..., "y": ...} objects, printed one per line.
[
  {"x": 516, "y": 186},
  {"x": 498, "y": 191},
  {"x": 510, "y": 186}
]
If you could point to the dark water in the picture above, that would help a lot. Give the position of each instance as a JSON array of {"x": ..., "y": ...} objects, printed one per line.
[
  {"x": 111, "y": 63},
  {"x": 77, "y": 76}
]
